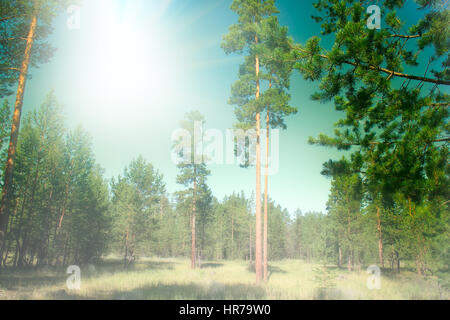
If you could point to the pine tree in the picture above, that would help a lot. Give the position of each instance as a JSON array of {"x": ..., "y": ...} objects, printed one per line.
[
  {"x": 16, "y": 58},
  {"x": 193, "y": 175},
  {"x": 136, "y": 204},
  {"x": 247, "y": 36},
  {"x": 395, "y": 124},
  {"x": 277, "y": 59}
]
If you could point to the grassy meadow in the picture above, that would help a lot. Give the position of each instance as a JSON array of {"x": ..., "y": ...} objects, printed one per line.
[{"x": 172, "y": 279}]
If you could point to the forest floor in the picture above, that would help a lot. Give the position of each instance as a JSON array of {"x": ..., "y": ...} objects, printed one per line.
[{"x": 172, "y": 279}]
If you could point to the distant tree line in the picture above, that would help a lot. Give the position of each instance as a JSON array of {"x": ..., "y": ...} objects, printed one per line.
[{"x": 65, "y": 212}]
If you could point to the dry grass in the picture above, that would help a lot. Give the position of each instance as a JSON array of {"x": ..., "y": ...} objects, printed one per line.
[{"x": 169, "y": 279}]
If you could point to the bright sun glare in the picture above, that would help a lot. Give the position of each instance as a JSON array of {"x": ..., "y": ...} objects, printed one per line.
[{"x": 128, "y": 62}]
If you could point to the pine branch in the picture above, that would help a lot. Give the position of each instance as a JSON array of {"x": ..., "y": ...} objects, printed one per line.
[
  {"x": 443, "y": 104},
  {"x": 441, "y": 140},
  {"x": 391, "y": 73},
  {"x": 333, "y": 142},
  {"x": 388, "y": 143},
  {"x": 406, "y": 36},
  {"x": 10, "y": 39},
  {"x": 10, "y": 69},
  {"x": 7, "y": 18},
  {"x": 12, "y": 17}
]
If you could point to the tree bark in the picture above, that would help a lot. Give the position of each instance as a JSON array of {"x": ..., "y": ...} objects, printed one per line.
[
  {"x": 258, "y": 249},
  {"x": 380, "y": 238},
  {"x": 397, "y": 258},
  {"x": 66, "y": 195},
  {"x": 7, "y": 244},
  {"x": 193, "y": 222},
  {"x": 9, "y": 170},
  {"x": 350, "y": 252},
  {"x": 65, "y": 251},
  {"x": 250, "y": 244},
  {"x": 266, "y": 191},
  {"x": 23, "y": 251},
  {"x": 232, "y": 237},
  {"x": 125, "y": 258},
  {"x": 350, "y": 261},
  {"x": 419, "y": 266}
]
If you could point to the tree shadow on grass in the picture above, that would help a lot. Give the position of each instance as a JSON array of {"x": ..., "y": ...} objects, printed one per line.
[
  {"x": 211, "y": 265},
  {"x": 113, "y": 266},
  {"x": 272, "y": 269},
  {"x": 215, "y": 291},
  {"x": 334, "y": 268},
  {"x": 50, "y": 276},
  {"x": 160, "y": 265},
  {"x": 16, "y": 282}
]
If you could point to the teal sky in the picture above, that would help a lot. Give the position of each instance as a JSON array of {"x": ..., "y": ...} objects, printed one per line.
[{"x": 136, "y": 67}]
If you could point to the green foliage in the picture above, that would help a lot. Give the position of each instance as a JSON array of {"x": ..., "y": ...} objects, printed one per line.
[
  {"x": 61, "y": 200},
  {"x": 5, "y": 128},
  {"x": 258, "y": 35},
  {"x": 395, "y": 132},
  {"x": 325, "y": 280},
  {"x": 312, "y": 238},
  {"x": 15, "y": 19},
  {"x": 229, "y": 229},
  {"x": 137, "y": 197},
  {"x": 277, "y": 229}
]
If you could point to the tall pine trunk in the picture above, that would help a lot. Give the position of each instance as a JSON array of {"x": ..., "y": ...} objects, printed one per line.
[
  {"x": 380, "y": 238},
  {"x": 125, "y": 257},
  {"x": 350, "y": 261},
  {"x": 258, "y": 249},
  {"x": 66, "y": 194},
  {"x": 266, "y": 191},
  {"x": 232, "y": 236},
  {"x": 250, "y": 244},
  {"x": 397, "y": 258},
  {"x": 193, "y": 223},
  {"x": 9, "y": 170},
  {"x": 350, "y": 252}
]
